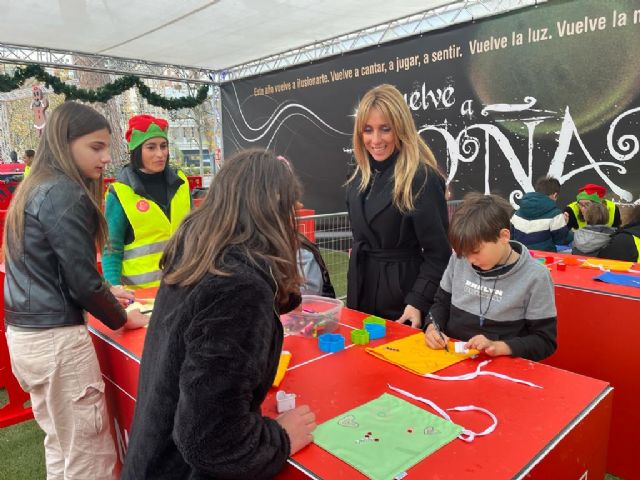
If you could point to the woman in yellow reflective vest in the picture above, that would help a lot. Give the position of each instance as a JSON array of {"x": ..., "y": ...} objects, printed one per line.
[
  {"x": 143, "y": 207},
  {"x": 588, "y": 194}
]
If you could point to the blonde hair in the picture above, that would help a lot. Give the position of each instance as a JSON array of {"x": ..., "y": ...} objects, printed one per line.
[
  {"x": 413, "y": 152},
  {"x": 596, "y": 214},
  {"x": 67, "y": 123}
]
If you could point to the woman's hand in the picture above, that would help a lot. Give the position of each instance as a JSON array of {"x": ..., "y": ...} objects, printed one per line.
[
  {"x": 490, "y": 347},
  {"x": 299, "y": 424},
  {"x": 433, "y": 339},
  {"x": 412, "y": 314},
  {"x": 125, "y": 297},
  {"x": 135, "y": 319}
]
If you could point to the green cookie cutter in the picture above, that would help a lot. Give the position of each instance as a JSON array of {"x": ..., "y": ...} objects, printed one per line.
[
  {"x": 372, "y": 319},
  {"x": 359, "y": 337}
]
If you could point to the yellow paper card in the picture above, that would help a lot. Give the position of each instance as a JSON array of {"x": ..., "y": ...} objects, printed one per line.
[
  {"x": 411, "y": 353},
  {"x": 283, "y": 364},
  {"x": 615, "y": 265}
]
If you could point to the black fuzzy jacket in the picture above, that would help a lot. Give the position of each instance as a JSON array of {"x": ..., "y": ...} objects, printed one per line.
[{"x": 210, "y": 357}]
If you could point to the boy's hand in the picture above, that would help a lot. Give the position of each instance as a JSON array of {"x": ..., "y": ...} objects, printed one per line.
[
  {"x": 433, "y": 340},
  {"x": 490, "y": 347},
  {"x": 411, "y": 314}
]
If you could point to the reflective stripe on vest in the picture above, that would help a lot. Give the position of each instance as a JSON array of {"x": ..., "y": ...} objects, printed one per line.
[
  {"x": 611, "y": 211},
  {"x": 636, "y": 240},
  {"x": 151, "y": 231}
]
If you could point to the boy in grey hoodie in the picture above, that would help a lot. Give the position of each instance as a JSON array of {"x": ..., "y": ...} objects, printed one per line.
[
  {"x": 493, "y": 294},
  {"x": 596, "y": 235}
]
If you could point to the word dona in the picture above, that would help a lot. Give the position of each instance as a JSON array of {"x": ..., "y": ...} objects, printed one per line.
[{"x": 465, "y": 148}]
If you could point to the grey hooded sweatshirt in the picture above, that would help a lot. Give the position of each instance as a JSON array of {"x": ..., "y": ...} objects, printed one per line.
[
  {"x": 591, "y": 239},
  {"x": 514, "y": 303}
]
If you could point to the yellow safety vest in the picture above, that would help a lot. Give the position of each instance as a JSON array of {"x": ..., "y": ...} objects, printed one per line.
[
  {"x": 151, "y": 231},
  {"x": 27, "y": 169},
  {"x": 611, "y": 210},
  {"x": 637, "y": 242}
]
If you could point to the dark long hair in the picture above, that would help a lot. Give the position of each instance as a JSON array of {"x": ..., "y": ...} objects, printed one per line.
[
  {"x": 250, "y": 205},
  {"x": 67, "y": 123}
]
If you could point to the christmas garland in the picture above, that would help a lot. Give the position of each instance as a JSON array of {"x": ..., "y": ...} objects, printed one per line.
[{"x": 102, "y": 94}]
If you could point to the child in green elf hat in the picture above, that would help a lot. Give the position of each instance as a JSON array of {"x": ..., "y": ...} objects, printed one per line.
[{"x": 143, "y": 207}]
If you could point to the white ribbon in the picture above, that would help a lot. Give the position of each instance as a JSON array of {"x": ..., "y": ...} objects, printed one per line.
[
  {"x": 466, "y": 435},
  {"x": 478, "y": 372}
]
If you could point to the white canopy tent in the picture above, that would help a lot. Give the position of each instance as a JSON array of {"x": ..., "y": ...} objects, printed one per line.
[
  {"x": 216, "y": 35},
  {"x": 208, "y": 41}
]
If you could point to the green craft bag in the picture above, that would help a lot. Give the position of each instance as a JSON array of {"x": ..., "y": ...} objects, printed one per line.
[{"x": 385, "y": 436}]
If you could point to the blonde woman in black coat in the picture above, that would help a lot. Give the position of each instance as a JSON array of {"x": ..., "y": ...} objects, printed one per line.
[{"x": 398, "y": 212}]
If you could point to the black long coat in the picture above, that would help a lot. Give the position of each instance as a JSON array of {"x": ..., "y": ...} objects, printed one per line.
[{"x": 397, "y": 259}]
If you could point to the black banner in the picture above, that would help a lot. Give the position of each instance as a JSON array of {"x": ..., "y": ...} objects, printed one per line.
[{"x": 553, "y": 89}]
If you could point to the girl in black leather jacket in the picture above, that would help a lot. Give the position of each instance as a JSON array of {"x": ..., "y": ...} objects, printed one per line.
[{"x": 53, "y": 226}]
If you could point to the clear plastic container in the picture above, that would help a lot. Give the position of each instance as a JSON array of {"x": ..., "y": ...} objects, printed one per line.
[{"x": 315, "y": 315}]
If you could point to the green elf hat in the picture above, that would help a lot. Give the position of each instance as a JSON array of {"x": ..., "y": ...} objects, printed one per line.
[
  {"x": 592, "y": 192},
  {"x": 144, "y": 127}
]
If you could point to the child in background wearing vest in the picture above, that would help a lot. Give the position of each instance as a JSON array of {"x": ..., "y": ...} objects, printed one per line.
[
  {"x": 143, "y": 207},
  {"x": 590, "y": 193},
  {"x": 493, "y": 294},
  {"x": 625, "y": 244},
  {"x": 590, "y": 239},
  {"x": 53, "y": 225}
]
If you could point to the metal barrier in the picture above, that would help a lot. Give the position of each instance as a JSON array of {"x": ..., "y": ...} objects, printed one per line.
[{"x": 333, "y": 237}]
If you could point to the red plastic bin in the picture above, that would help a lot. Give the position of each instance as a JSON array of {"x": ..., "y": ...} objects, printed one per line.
[{"x": 307, "y": 227}]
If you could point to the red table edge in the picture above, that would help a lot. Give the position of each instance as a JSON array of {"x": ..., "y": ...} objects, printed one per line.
[
  {"x": 608, "y": 390},
  {"x": 113, "y": 343}
]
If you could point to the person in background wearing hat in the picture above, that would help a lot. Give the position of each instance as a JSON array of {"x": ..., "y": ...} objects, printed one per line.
[
  {"x": 143, "y": 207},
  {"x": 587, "y": 195}
]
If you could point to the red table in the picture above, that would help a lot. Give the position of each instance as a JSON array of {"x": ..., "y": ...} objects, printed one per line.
[
  {"x": 14, "y": 411},
  {"x": 557, "y": 432},
  {"x": 597, "y": 324}
]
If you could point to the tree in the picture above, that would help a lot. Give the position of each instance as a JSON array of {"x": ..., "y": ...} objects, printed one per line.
[{"x": 111, "y": 110}]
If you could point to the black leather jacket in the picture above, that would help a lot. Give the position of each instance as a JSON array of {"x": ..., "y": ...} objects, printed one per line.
[{"x": 55, "y": 279}]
